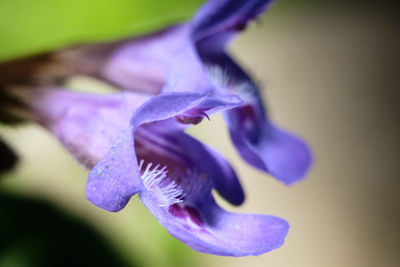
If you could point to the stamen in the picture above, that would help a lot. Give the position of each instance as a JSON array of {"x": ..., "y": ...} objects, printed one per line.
[{"x": 155, "y": 179}]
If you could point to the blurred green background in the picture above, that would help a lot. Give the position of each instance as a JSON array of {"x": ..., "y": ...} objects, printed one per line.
[
  {"x": 330, "y": 72},
  {"x": 33, "y": 26}
]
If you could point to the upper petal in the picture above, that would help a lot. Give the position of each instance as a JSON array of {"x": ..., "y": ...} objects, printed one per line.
[
  {"x": 142, "y": 64},
  {"x": 187, "y": 73},
  {"x": 169, "y": 105}
]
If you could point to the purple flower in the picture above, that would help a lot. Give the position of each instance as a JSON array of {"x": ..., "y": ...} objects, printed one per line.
[
  {"x": 150, "y": 155},
  {"x": 134, "y": 142},
  {"x": 174, "y": 175},
  {"x": 192, "y": 58}
]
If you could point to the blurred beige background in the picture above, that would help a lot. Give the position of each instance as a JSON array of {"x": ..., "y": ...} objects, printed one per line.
[{"x": 331, "y": 75}]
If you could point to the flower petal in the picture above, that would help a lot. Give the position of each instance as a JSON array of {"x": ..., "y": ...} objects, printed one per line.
[
  {"x": 278, "y": 152},
  {"x": 142, "y": 64},
  {"x": 169, "y": 105},
  {"x": 261, "y": 144},
  {"x": 210, "y": 229},
  {"x": 116, "y": 177},
  {"x": 187, "y": 72}
]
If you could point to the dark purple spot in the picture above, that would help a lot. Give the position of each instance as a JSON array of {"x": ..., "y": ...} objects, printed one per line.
[
  {"x": 184, "y": 212},
  {"x": 194, "y": 215},
  {"x": 177, "y": 211},
  {"x": 247, "y": 112}
]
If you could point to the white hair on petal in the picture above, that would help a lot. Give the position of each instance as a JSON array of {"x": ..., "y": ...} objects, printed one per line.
[
  {"x": 155, "y": 180},
  {"x": 218, "y": 76},
  {"x": 222, "y": 79}
]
